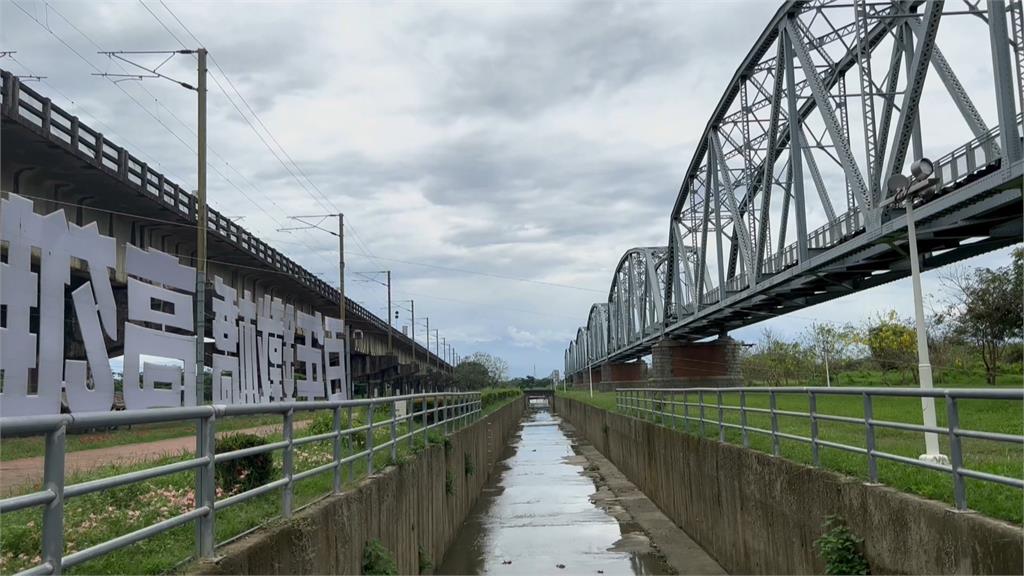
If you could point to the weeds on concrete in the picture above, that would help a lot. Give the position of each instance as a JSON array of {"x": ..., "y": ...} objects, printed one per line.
[
  {"x": 378, "y": 560},
  {"x": 426, "y": 565},
  {"x": 841, "y": 549}
]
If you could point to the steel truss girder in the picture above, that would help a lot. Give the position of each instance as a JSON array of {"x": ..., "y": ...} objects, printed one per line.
[{"x": 714, "y": 199}]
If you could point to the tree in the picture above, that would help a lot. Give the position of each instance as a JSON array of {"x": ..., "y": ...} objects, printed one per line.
[
  {"x": 497, "y": 369},
  {"x": 986, "y": 309},
  {"x": 471, "y": 375},
  {"x": 776, "y": 361},
  {"x": 829, "y": 343},
  {"x": 891, "y": 340}
]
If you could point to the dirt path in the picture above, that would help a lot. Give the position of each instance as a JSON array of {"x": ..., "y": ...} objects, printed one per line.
[{"x": 15, "y": 474}]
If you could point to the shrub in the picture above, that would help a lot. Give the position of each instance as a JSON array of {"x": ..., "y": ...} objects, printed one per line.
[
  {"x": 244, "y": 473},
  {"x": 323, "y": 423},
  {"x": 449, "y": 484},
  {"x": 491, "y": 396},
  {"x": 426, "y": 565},
  {"x": 841, "y": 549},
  {"x": 377, "y": 559}
]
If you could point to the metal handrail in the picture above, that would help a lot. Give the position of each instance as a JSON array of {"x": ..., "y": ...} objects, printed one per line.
[
  {"x": 661, "y": 405},
  {"x": 449, "y": 410}
]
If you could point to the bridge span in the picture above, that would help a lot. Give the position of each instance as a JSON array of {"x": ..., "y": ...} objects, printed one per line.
[
  {"x": 60, "y": 163},
  {"x": 785, "y": 202}
]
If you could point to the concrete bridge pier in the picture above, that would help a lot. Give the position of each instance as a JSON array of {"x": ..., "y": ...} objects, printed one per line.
[
  {"x": 714, "y": 364},
  {"x": 624, "y": 372}
]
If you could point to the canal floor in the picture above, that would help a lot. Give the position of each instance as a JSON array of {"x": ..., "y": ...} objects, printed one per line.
[{"x": 537, "y": 515}]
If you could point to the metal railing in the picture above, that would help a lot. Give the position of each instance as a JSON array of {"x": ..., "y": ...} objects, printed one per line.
[
  {"x": 706, "y": 408},
  {"x": 450, "y": 411}
]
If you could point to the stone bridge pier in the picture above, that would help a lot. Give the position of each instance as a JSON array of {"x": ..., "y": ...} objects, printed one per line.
[{"x": 714, "y": 364}]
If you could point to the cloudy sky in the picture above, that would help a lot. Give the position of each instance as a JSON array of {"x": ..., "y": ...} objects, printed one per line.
[{"x": 498, "y": 157}]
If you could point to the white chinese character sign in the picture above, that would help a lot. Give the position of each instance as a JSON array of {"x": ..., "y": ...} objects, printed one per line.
[{"x": 264, "y": 349}]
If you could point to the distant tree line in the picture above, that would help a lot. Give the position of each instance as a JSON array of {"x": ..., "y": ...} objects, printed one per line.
[{"x": 974, "y": 333}]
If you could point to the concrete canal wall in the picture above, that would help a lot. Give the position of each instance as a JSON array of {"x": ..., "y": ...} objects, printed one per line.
[
  {"x": 407, "y": 507},
  {"x": 756, "y": 514}
]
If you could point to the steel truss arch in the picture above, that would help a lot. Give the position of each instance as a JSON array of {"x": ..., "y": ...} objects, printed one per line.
[{"x": 784, "y": 202}]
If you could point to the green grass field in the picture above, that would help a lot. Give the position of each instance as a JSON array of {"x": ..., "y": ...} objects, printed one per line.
[
  {"x": 97, "y": 517},
  {"x": 992, "y": 499}
]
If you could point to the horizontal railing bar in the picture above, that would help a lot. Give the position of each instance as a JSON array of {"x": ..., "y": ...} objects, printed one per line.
[
  {"x": 133, "y": 477},
  {"x": 912, "y": 461},
  {"x": 251, "y": 451},
  {"x": 312, "y": 472},
  {"x": 243, "y": 496},
  {"x": 44, "y": 568},
  {"x": 132, "y": 537},
  {"x": 995, "y": 436},
  {"x": 978, "y": 393},
  {"x": 1005, "y": 480},
  {"x": 838, "y": 446},
  {"x": 13, "y": 503}
]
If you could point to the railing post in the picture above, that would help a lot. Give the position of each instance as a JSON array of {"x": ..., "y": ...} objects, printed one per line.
[
  {"x": 349, "y": 445},
  {"x": 700, "y": 405},
  {"x": 74, "y": 135},
  {"x": 410, "y": 421},
  {"x": 336, "y": 444},
  {"x": 47, "y": 111},
  {"x": 743, "y": 419},
  {"x": 812, "y": 407},
  {"x": 721, "y": 419},
  {"x": 776, "y": 449},
  {"x": 686, "y": 411},
  {"x": 53, "y": 512},
  {"x": 286, "y": 497},
  {"x": 394, "y": 431},
  {"x": 206, "y": 491},
  {"x": 869, "y": 441},
  {"x": 675, "y": 415},
  {"x": 955, "y": 453},
  {"x": 369, "y": 440},
  {"x": 426, "y": 424}
]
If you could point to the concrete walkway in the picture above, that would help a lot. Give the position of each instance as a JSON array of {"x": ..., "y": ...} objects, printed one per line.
[{"x": 15, "y": 474}]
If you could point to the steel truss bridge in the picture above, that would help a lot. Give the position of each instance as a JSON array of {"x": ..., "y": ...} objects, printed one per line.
[{"x": 784, "y": 204}]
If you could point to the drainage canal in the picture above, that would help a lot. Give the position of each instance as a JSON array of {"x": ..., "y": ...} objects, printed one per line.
[{"x": 538, "y": 515}]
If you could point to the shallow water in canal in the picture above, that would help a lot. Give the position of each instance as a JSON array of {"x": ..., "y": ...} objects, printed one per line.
[{"x": 536, "y": 516}]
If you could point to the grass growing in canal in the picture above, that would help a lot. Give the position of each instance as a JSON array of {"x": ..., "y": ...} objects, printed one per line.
[
  {"x": 988, "y": 498},
  {"x": 98, "y": 517}
]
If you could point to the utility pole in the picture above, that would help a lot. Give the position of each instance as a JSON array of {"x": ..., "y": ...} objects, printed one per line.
[
  {"x": 437, "y": 349},
  {"x": 200, "y": 308},
  {"x": 341, "y": 305},
  {"x": 347, "y": 353},
  {"x": 391, "y": 348}
]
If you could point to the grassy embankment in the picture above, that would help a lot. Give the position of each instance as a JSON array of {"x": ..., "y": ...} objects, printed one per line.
[{"x": 1000, "y": 458}]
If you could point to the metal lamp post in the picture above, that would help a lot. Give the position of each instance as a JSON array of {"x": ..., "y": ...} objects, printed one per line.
[{"x": 905, "y": 191}]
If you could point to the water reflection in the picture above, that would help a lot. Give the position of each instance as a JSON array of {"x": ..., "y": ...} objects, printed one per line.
[{"x": 536, "y": 517}]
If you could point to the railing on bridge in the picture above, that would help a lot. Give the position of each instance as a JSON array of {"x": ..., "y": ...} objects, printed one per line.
[
  {"x": 21, "y": 103},
  {"x": 724, "y": 412},
  {"x": 449, "y": 411}
]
